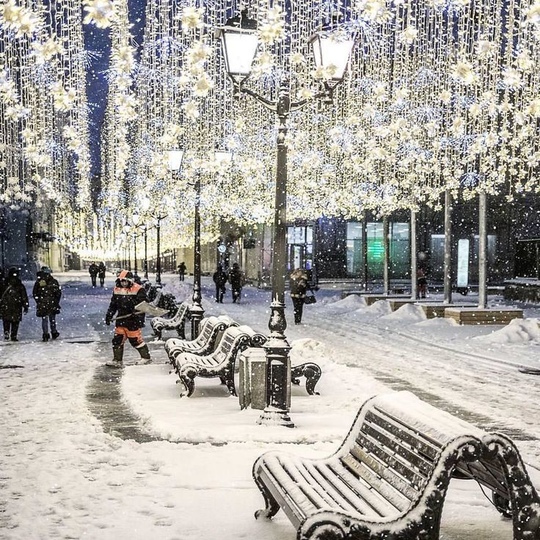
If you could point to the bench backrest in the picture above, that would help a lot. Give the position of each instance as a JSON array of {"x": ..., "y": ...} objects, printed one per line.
[
  {"x": 235, "y": 339},
  {"x": 397, "y": 443},
  {"x": 211, "y": 326},
  {"x": 181, "y": 313}
]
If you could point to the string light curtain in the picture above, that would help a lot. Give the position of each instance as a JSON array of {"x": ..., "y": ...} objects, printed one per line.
[{"x": 44, "y": 147}]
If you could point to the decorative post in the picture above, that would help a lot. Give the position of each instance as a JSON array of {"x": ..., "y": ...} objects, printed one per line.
[
  {"x": 145, "y": 252},
  {"x": 196, "y": 308},
  {"x": 135, "y": 252},
  {"x": 277, "y": 348},
  {"x": 158, "y": 248},
  {"x": 447, "y": 247}
]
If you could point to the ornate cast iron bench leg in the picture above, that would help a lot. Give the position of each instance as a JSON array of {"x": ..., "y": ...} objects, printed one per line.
[{"x": 311, "y": 371}]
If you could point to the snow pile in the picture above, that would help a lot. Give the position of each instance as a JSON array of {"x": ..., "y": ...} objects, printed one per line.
[
  {"x": 380, "y": 307},
  {"x": 407, "y": 312},
  {"x": 349, "y": 303},
  {"x": 307, "y": 350},
  {"x": 438, "y": 323},
  {"x": 517, "y": 331}
]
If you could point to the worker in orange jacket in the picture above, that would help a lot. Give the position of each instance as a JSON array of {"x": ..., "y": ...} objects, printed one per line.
[{"x": 126, "y": 296}]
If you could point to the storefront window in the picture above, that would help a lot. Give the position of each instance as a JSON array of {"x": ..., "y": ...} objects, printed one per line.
[{"x": 399, "y": 250}]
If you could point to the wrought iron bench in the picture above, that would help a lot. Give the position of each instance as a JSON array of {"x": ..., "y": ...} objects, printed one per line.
[
  {"x": 177, "y": 322},
  {"x": 220, "y": 363},
  {"x": 205, "y": 342},
  {"x": 390, "y": 476},
  {"x": 312, "y": 373}
]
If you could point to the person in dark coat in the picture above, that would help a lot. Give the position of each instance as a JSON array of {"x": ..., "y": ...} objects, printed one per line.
[
  {"x": 47, "y": 294},
  {"x": 236, "y": 279},
  {"x": 298, "y": 284},
  {"x": 13, "y": 302},
  {"x": 182, "y": 271},
  {"x": 93, "y": 271},
  {"x": 220, "y": 278},
  {"x": 126, "y": 296},
  {"x": 101, "y": 273}
]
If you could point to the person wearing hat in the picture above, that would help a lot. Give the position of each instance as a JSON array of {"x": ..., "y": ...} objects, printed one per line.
[
  {"x": 13, "y": 302},
  {"x": 127, "y": 294},
  {"x": 47, "y": 294}
]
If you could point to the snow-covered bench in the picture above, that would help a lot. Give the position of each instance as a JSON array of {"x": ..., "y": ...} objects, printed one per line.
[
  {"x": 205, "y": 342},
  {"x": 311, "y": 371},
  {"x": 221, "y": 362},
  {"x": 176, "y": 322},
  {"x": 390, "y": 476}
]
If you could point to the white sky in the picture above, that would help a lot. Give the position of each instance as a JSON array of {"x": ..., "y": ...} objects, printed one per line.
[{"x": 63, "y": 475}]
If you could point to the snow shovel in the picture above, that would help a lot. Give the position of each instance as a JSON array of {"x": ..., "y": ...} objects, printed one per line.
[
  {"x": 149, "y": 309},
  {"x": 144, "y": 307}
]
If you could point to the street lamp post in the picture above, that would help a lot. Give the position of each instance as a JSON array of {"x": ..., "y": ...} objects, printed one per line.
[
  {"x": 145, "y": 251},
  {"x": 159, "y": 218},
  {"x": 196, "y": 310},
  {"x": 145, "y": 206},
  {"x": 135, "y": 253},
  {"x": 239, "y": 43},
  {"x": 135, "y": 219},
  {"x": 126, "y": 229}
]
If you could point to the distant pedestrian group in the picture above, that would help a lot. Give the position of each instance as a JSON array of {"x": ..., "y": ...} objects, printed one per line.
[
  {"x": 235, "y": 277},
  {"x": 97, "y": 271},
  {"x": 14, "y": 302}
]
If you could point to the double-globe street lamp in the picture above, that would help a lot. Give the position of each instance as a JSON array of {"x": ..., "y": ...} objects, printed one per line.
[
  {"x": 175, "y": 159},
  {"x": 158, "y": 218},
  {"x": 136, "y": 220},
  {"x": 331, "y": 51}
]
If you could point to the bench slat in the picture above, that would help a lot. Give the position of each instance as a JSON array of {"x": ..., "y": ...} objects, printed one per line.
[
  {"x": 331, "y": 494},
  {"x": 371, "y": 502},
  {"x": 390, "y": 460},
  {"x": 423, "y": 445},
  {"x": 380, "y": 481}
]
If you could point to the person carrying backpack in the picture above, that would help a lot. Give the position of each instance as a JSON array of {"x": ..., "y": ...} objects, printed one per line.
[{"x": 47, "y": 294}]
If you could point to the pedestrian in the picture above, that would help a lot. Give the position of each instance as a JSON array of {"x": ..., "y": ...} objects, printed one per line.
[
  {"x": 125, "y": 297},
  {"x": 93, "y": 271},
  {"x": 182, "y": 270},
  {"x": 298, "y": 284},
  {"x": 220, "y": 278},
  {"x": 236, "y": 279},
  {"x": 101, "y": 273},
  {"x": 13, "y": 303},
  {"x": 47, "y": 294},
  {"x": 421, "y": 282}
]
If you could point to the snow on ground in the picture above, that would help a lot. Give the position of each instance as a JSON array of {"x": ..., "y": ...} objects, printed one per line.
[{"x": 65, "y": 474}]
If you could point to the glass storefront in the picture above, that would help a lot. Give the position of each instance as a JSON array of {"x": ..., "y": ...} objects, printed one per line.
[
  {"x": 300, "y": 247},
  {"x": 399, "y": 250}
]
